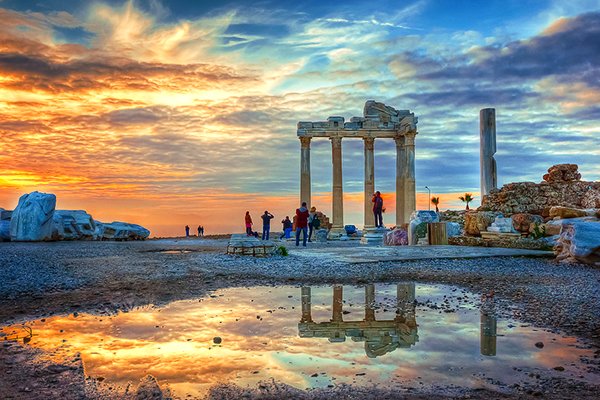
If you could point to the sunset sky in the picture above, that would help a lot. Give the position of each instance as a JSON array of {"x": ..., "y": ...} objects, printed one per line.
[{"x": 166, "y": 113}]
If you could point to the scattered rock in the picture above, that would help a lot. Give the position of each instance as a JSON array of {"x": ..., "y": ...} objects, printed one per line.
[
  {"x": 539, "y": 345},
  {"x": 523, "y": 221},
  {"x": 395, "y": 237},
  {"x": 120, "y": 231},
  {"x": 559, "y": 368},
  {"x": 217, "y": 340},
  {"x": 478, "y": 221},
  {"x": 562, "y": 173}
]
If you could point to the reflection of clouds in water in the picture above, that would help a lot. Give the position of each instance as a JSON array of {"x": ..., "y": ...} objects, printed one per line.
[{"x": 180, "y": 351}]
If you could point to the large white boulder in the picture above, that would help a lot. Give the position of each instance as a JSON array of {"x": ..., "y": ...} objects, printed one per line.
[
  {"x": 32, "y": 219},
  {"x": 73, "y": 225},
  {"x": 579, "y": 242},
  {"x": 119, "y": 231}
]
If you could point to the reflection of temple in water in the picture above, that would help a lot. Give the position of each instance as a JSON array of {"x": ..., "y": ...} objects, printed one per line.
[{"x": 380, "y": 337}]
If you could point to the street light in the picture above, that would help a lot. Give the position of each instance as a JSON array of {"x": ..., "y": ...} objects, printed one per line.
[{"x": 428, "y": 198}]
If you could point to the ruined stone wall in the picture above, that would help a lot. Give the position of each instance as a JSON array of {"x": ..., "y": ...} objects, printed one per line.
[{"x": 561, "y": 187}]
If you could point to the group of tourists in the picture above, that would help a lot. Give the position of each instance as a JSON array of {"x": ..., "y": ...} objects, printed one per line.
[
  {"x": 200, "y": 231},
  {"x": 307, "y": 222}
]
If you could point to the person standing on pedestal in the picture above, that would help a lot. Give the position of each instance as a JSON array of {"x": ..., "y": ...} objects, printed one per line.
[
  {"x": 378, "y": 209},
  {"x": 248, "y": 222},
  {"x": 301, "y": 224}
]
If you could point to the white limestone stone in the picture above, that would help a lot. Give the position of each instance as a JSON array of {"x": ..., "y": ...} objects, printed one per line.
[
  {"x": 119, "y": 231},
  {"x": 73, "y": 225},
  {"x": 32, "y": 218}
]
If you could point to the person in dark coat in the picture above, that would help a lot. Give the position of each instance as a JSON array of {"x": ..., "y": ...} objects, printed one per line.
[
  {"x": 378, "y": 209},
  {"x": 266, "y": 217},
  {"x": 302, "y": 224}
]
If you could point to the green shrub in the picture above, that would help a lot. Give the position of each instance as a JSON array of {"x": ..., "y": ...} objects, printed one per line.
[
  {"x": 282, "y": 251},
  {"x": 538, "y": 231}
]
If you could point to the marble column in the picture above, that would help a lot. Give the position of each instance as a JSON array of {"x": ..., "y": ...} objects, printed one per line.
[
  {"x": 487, "y": 149},
  {"x": 305, "y": 194},
  {"x": 369, "y": 302},
  {"x": 369, "y": 181},
  {"x": 338, "y": 189},
  {"x": 410, "y": 191},
  {"x": 338, "y": 291},
  {"x": 400, "y": 180},
  {"x": 306, "y": 304}
]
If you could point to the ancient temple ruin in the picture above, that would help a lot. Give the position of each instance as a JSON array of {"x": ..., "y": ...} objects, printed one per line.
[{"x": 379, "y": 122}]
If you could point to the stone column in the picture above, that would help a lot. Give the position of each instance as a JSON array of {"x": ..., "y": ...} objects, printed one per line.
[
  {"x": 338, "y": 189},
  {"x": 400, "y": 179},
  {"x": 405, "y": 309},
  {"x": 369, "y": 300},
  {"x": 487, "y": 149},
  {"x": 338, "y": 291},
  {"x": 306, "y": 304},
  {"x": 369, "y": 181},
  {"x": 305, "y": 194},
  {"x": 410, "y": 191}
]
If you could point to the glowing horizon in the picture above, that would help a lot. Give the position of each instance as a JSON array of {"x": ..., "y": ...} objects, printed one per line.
[{"x": 167, "y": 114}]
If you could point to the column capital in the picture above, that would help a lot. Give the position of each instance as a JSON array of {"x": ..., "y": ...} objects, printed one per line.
[
  {"x": 305, "y": 142},
  {"x": 410, "y": 138},
  {"x": 369, "y": 143},
  {"x": 336, "y": 141},
  {"x": 400, "y": 141}
]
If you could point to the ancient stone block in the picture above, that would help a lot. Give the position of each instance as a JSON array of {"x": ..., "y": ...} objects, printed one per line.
[
  {"x": 478, "y": 221},
  {"x": 562, "y": 173},
  {"x": 32, "y": 218},
  {"x": 73, "y": 225},
  {"x": 579, "y": 242},
  {"x": 566, "y": 212},
  {"x": 522, "y": 222},
  {"x": 119, "y": 231}
]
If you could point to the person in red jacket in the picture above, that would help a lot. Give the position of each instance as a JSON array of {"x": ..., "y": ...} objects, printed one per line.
[{"x": 301, "y": 224}]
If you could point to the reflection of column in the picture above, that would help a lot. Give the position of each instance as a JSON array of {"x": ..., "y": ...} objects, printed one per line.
[
  {"x": 337, "y": 303},
  {"x": 338, "y": 189},
  {"x": 400, "y": 181},
  {"x": 369, "y": 300},
  {"x": 305, "y": 189},
  {"x": 405, "y": 298},
  {"x": 306, "y": 304},
  {"x": 487, "y": 329},
  {"x": 410, "y": 193},
  {"x": 369, "y": 181}
]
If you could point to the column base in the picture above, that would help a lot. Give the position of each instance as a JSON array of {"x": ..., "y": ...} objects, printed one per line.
[
  {"x": 337, "y": 234},
  {"x": 373, "y": 236}
]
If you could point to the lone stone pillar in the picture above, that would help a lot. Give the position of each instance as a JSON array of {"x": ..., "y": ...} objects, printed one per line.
[
  {"x": 487, "y": 149},
  {"x": 338, "y": 189},
  {"x": 400, "y": 179},
  {"x": 487, "y": 334},
  {"x": 305, "y": 194},
  {"x": 369, "y": 181},
  {"x": 405, "y": 309},
  {"x": 306, "y": 304},
  {"x": 338, "y": 291}
]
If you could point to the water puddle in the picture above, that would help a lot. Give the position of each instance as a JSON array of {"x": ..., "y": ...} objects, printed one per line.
[{"x": 311, "y": 337}]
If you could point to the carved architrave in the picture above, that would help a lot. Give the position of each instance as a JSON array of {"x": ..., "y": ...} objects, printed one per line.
[{"x": 369, "y": 143}]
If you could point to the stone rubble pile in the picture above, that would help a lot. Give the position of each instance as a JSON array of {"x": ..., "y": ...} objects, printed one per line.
[
  {"x": 561, "y": 211},
  {"x": 36, "y": 219}
]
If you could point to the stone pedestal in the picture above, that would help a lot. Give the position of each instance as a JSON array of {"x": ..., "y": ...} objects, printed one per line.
[{"x": 373, "y": 236}]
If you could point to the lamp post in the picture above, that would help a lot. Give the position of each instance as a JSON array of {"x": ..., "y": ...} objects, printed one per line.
[{"x": 428, "y": 198}]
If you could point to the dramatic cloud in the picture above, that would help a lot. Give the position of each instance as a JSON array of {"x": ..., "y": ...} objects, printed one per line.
[{"x": 169, "y": 114}]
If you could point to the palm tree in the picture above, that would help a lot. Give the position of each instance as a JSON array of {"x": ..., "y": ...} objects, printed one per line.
[
  {"x": 467, "y": 198},
  {"x": 436, "y": 202}
]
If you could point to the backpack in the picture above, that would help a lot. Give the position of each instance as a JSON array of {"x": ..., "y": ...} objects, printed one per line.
[{"x": 316, "y": 223}]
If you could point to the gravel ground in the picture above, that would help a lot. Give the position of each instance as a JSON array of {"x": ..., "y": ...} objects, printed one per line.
[{"x": 41, "y": 279}]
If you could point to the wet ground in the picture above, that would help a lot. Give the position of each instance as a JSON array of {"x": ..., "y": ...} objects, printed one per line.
[{"x": 160, "y": 308}]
